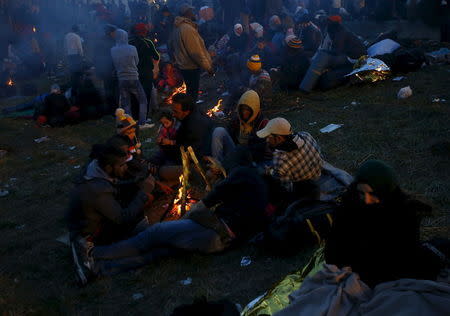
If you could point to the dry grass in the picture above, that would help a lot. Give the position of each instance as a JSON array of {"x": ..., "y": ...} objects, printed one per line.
[{"x": 36, "y": 274}]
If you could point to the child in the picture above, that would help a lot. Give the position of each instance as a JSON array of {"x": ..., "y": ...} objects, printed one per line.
[
  {"x": 170, "y": 78},
  {"x": 126, "y": 126},
  {"x": 166, "y": 139}
]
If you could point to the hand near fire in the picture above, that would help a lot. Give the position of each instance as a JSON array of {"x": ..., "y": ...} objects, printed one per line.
[
  {"x": 165, "y": 188},
  {"x": 166, "y": 142},
  {"x": 198, "y": 207}
]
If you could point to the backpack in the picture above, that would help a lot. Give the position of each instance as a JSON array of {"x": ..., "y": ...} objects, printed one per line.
[{"x": 304, "y": 224}]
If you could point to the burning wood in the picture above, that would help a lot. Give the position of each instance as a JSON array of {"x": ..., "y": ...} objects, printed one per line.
[
  {"x": 180, "y": 89},
  {"x": 10, "y": 82},
  {"x": 216, "y": 110},
  {"x": 182, "y": 202}
]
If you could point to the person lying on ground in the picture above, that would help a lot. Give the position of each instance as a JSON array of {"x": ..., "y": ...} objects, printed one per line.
[
  {"x": 198, "y": 130},
  {"x": 260, "y": 80},
  {"x": 36, "y": 104},
  {"x": 296, "y": 165},
  {"x": 240, "y": 202},
  {"x": 95, "y": 214},
  {"x": 376, "y": 230},
  {"x": 56, "y": 110}
]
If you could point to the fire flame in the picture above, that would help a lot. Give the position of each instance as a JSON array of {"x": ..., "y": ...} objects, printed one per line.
[
  {"x": 215, "y": 109},
  {"x": 10, "y": 82},
  {"x": 177, "y": 203},
  {"x": 180, "y": 89},
  {"x": 34, "y": 29}
]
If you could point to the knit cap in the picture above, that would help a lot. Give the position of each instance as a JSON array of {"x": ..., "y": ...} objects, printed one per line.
[
  {"x": 295, "y": 42},
  {"x": 380, "y": 176},
  {"x": 254, "y": 63},
  {"x": 123, "y": 121}
]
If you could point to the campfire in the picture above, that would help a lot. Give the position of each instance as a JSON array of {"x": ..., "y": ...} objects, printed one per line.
[
  {"x": 34, "y": 29},
  {"x": 215, "y": 111},
  {"x": 180, "y": 89},
  {"x": 180, "y": 207},
  {"x": 10, "y": 82}
]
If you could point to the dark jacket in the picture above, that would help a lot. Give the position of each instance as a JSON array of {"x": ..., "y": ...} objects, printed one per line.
[
  {"x": 238, "y": 44},
  {"x": 242, "y": 199},
  {"x": 95, "y": 211},
  {"x": 147, "y": 53},
  {"x": 196, "y": 131},
  {"x": 55, "y": 105},
  {"x": 102, "y": 58},
  {"x": 380, "y": 242},
  {"x": 311, "y": 37},
  {"x": 293, "y": 69},
  {"x": 347, "y": 43}
]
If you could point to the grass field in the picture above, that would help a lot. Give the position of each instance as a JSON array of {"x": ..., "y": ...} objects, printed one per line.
[{"x": 36, "y": 274}]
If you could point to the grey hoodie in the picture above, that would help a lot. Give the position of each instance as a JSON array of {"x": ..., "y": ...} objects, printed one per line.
[{"x": 125, "y": 57}]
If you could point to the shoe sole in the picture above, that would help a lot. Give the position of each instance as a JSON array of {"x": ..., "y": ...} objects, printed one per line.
[{"x": 79, "y": 270}]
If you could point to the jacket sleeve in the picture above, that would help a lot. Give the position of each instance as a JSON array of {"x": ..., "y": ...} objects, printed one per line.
[
  {"x": 153, "y": 52},
  {"x": 107, "y": 205},
  {"x": 195, "y": 46}
]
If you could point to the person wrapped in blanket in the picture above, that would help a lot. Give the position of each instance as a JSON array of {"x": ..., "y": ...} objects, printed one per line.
[{"x": 376, "y": 230}]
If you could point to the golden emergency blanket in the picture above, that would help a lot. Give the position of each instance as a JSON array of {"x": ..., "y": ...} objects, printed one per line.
[{"x": 277, "y": 298}]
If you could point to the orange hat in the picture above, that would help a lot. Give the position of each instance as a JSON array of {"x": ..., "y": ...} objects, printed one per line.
[{"x": 254, "y": 63}]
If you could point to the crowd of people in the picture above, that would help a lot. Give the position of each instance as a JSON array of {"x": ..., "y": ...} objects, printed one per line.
[{"x": 145, "y": 50}]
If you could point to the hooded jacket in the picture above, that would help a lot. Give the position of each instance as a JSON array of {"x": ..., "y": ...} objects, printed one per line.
[
  {"x": 146, "y": 53},
  {"x": 188, "y": 47},
  {"x": 244, "y": 133},
  {"x": 95, "y": 211},
  {"x": 125, "y": 57}
]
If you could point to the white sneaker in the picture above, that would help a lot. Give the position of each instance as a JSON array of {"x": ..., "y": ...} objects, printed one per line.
[{"x": 146, "y": 126}]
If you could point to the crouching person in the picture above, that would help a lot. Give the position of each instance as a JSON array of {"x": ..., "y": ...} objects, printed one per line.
[
  {"x": 95, "y": 214},
  {"x": 239, "y": 202},
  {"x": 296, "y": 165}
]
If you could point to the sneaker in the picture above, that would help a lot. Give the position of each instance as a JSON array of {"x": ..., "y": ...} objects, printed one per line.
[
  {"x": 146, "y": 126},
  {"x": 82, "y": 259}
]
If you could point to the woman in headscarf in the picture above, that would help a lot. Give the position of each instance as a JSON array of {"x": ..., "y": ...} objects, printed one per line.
[
  {"x": 376, "y": 230},
  {"x": 238, "y": 40}
]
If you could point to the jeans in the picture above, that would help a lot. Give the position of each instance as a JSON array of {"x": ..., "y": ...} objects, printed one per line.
[
  {"x": 192, "y": 79},
  {"x": 157, "y": 241},
  {"x": 134, "y": 87},
  {"x": 221, "y": 143}
]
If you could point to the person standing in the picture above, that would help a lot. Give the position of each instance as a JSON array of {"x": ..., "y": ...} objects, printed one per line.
[
  {"x": 188, "y": 50},
  {"x": 125, "y": 59},
  {"x": 148, "y": 55},
  {"x": 74, "y": 52}
]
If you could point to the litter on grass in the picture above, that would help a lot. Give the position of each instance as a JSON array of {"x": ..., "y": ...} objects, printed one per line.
[
  {"x": 42, "y": 139},
  {"x": 4, "y": 193},
  {"x": 400, "y": 78},
  {"x": 187, "y": 281},
  {"x": 137, "y": 296},
  {"x": 245, "y": 261},
  {"x": 331, "y": 127},
  {"x": 404, "y": 93}
]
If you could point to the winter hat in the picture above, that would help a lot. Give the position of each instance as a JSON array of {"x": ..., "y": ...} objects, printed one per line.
[
  {"x": 123, "y": 121},
  {"x": 295, "y": 42},
  {"x": 274, "y": 22},
  {"x": 258, "y": 29},
  {"x": 254, "y": 63},
  {"x": 380, "y": 176},
  {"x": 236, "y": 28},
  {"x": 141, "y": 29}
]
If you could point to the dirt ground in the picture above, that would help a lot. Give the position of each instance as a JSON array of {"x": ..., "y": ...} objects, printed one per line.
[{"x": 36, "y": 275}]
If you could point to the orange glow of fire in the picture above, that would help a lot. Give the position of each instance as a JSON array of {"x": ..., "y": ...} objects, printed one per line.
[
  {"x": 10, "y": 83},
  {"x": 215, "y": 109},
  {"x": 180, "y": 89},
  {"x": 177, "y": 203},
  {"x": 34, "y": 29}
]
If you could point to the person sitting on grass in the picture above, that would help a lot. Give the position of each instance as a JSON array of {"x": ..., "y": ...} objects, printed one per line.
[
  {"x": 167, "y": 140},
  {"x": 56, "y": 110},
  {"x": 95, "y": 213},
  {"x": 376, "y": 230},
  {"x": 296, "y": 165},
  {"x": 239, "y": 200},
  {"x": 260, "y": 80}
]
